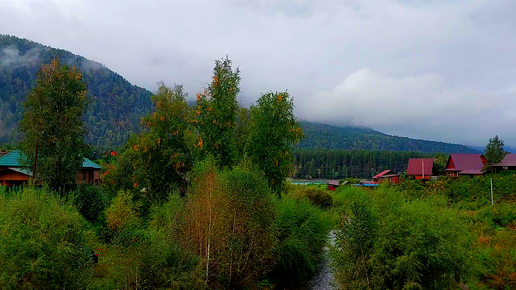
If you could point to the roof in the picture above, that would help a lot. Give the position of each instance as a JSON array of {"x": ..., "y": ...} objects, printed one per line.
[
  {"x": 381, "y": 174},
  {"x": 467, "y": 162},
  {"x": 86, "y": 163},
  {"x": 13, "y": 160},
  {"x": 415, "y": 166},
  {"x": 508, "y": 160},
  {"x": 471, "y": 172},
  {"x": 390, "y": 175},
  {"x": 333, "y": 182},
  {"x": 25, "y": 171}
]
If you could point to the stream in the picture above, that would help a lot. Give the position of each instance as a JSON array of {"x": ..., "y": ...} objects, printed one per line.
[{"x": 324, "y": 279}]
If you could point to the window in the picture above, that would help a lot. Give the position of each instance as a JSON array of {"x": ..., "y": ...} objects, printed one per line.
[
  {"x": 96, "y": 182},
  {"x": 84, "y": 176}
]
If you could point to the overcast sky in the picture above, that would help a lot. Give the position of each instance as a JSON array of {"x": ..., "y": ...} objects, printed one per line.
[{"x": 437, "y": 70}]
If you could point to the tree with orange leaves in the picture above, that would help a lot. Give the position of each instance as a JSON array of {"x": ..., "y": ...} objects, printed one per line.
[
  {"x": 163, "y": 152},
  {"x": 216, "y": 113},
  {"x": 53, "y": 125}
]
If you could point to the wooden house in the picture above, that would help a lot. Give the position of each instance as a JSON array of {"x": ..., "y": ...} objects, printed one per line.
[
  {"x": 465, "y": 164},
  {"x": 386, "y": 176},
  {"x": 421, "y": 168},
  {"x": 13, "y": 173},
  {"x": 508, "y": 163},
  {"x": 332, "y": 185}
]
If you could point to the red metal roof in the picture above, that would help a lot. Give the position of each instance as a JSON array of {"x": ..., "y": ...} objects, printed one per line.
[
  {"x": 415, "y": 166},
  {"x": 508, "y": 160},
  {"x": 381, "y": 174},
  {"x": 466, "y": 162},
  {"x": 333, "y": 182}
]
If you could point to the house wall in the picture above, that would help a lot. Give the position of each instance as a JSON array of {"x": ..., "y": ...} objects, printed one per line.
[
  {"x": 452, "y": 173},
  {"x": 10, "y": 178},
  {"x": 13, "y": 176},
  {"x": 91, "y": 176},
  {"x": 418, "y": 177}
]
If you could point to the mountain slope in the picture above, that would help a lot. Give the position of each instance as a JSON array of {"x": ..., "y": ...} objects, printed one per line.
[
  {"x": 322, "y": 136},
  {"x": 116, "y": 107}
]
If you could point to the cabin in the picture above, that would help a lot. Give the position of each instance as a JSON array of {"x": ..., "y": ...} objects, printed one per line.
[
  {"x": 465, "y": 164},
  {"x": 508, "y": 163},
  {"x": 12, "y": 173},
  {"x": 386, "y": 176},
  {"x": 332, "y": 185},
  {"x": 421, "y": 168}
]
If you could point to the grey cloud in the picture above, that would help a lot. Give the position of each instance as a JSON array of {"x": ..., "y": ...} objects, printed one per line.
[
  {"x": 12, "y": 57},
  {"x": 457, "y": 55}
]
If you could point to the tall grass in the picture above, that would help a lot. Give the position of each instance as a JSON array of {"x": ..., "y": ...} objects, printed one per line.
[{"x": 302, "y": 232}]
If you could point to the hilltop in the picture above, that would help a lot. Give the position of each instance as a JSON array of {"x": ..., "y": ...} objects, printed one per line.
[{"x": 116, "y": 107}]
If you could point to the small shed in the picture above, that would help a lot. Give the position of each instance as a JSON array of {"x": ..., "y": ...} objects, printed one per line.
[
  {"x": 421, "y": 168},
  {"x": 386, "y": 176},
  {"x": 508, "y": 163},
  {"x": 465, "y": 164},
  {"x": 332, "y": 185}
]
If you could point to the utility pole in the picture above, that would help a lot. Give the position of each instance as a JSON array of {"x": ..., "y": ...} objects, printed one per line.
[
  {"x": 35, "y": 161},
  {"x": 423, "y": 167},
  {"x": 492, "y": 195}
]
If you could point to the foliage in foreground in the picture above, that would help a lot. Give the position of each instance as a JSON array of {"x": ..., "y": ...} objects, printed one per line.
[
  {"x": 302, "y": 232},
  {"x": 386, "y": 241},
  {"x": 42, "y": 243}
]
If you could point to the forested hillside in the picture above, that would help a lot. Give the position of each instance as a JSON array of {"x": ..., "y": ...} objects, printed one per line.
[
  {"x": 116, "y": 107},
  {"x": 322, "y": 136}
]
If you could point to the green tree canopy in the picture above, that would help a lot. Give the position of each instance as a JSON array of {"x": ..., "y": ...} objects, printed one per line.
[
  {"x": 164, "y": 157},
  {"x": 52, "y": 122},
  {"x": 273, "y": 131},
  {"x": 216, "y": 114},
  {"x": 494, "y": 150}
]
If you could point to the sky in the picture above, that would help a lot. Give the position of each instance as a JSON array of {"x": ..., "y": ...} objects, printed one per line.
[{"x": 436, "y": 70}]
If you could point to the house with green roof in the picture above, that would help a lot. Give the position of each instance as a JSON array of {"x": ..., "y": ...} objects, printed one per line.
[{"x": 13, "y": 173}]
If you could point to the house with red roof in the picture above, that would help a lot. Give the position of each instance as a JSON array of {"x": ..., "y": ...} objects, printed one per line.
[
  {"x": 332, "y": 185},
  {"x": 386, "y": 176},
  {"x": 508, "y": 163},
  {"x": 465, "y": 164},
  {"x": 421, "y": 168}
]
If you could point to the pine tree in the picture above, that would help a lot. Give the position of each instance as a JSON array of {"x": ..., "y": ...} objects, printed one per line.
[{"x": 494, "y": 150}]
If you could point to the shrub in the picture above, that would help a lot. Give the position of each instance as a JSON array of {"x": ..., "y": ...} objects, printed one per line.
[
  {"x": 41, "y": 243},
  {"x": 402, "y": 244},
  {"x": 90, "y": 200},
  {"x": 316, "y": 196},
  {"x": 302, "y": 231},
  {"x": 228, "y": 223}
]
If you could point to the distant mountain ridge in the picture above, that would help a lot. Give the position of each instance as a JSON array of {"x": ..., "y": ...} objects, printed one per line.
[
  {"x": 323, "y": 136},
  {"x": 117, "y": 105}
]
